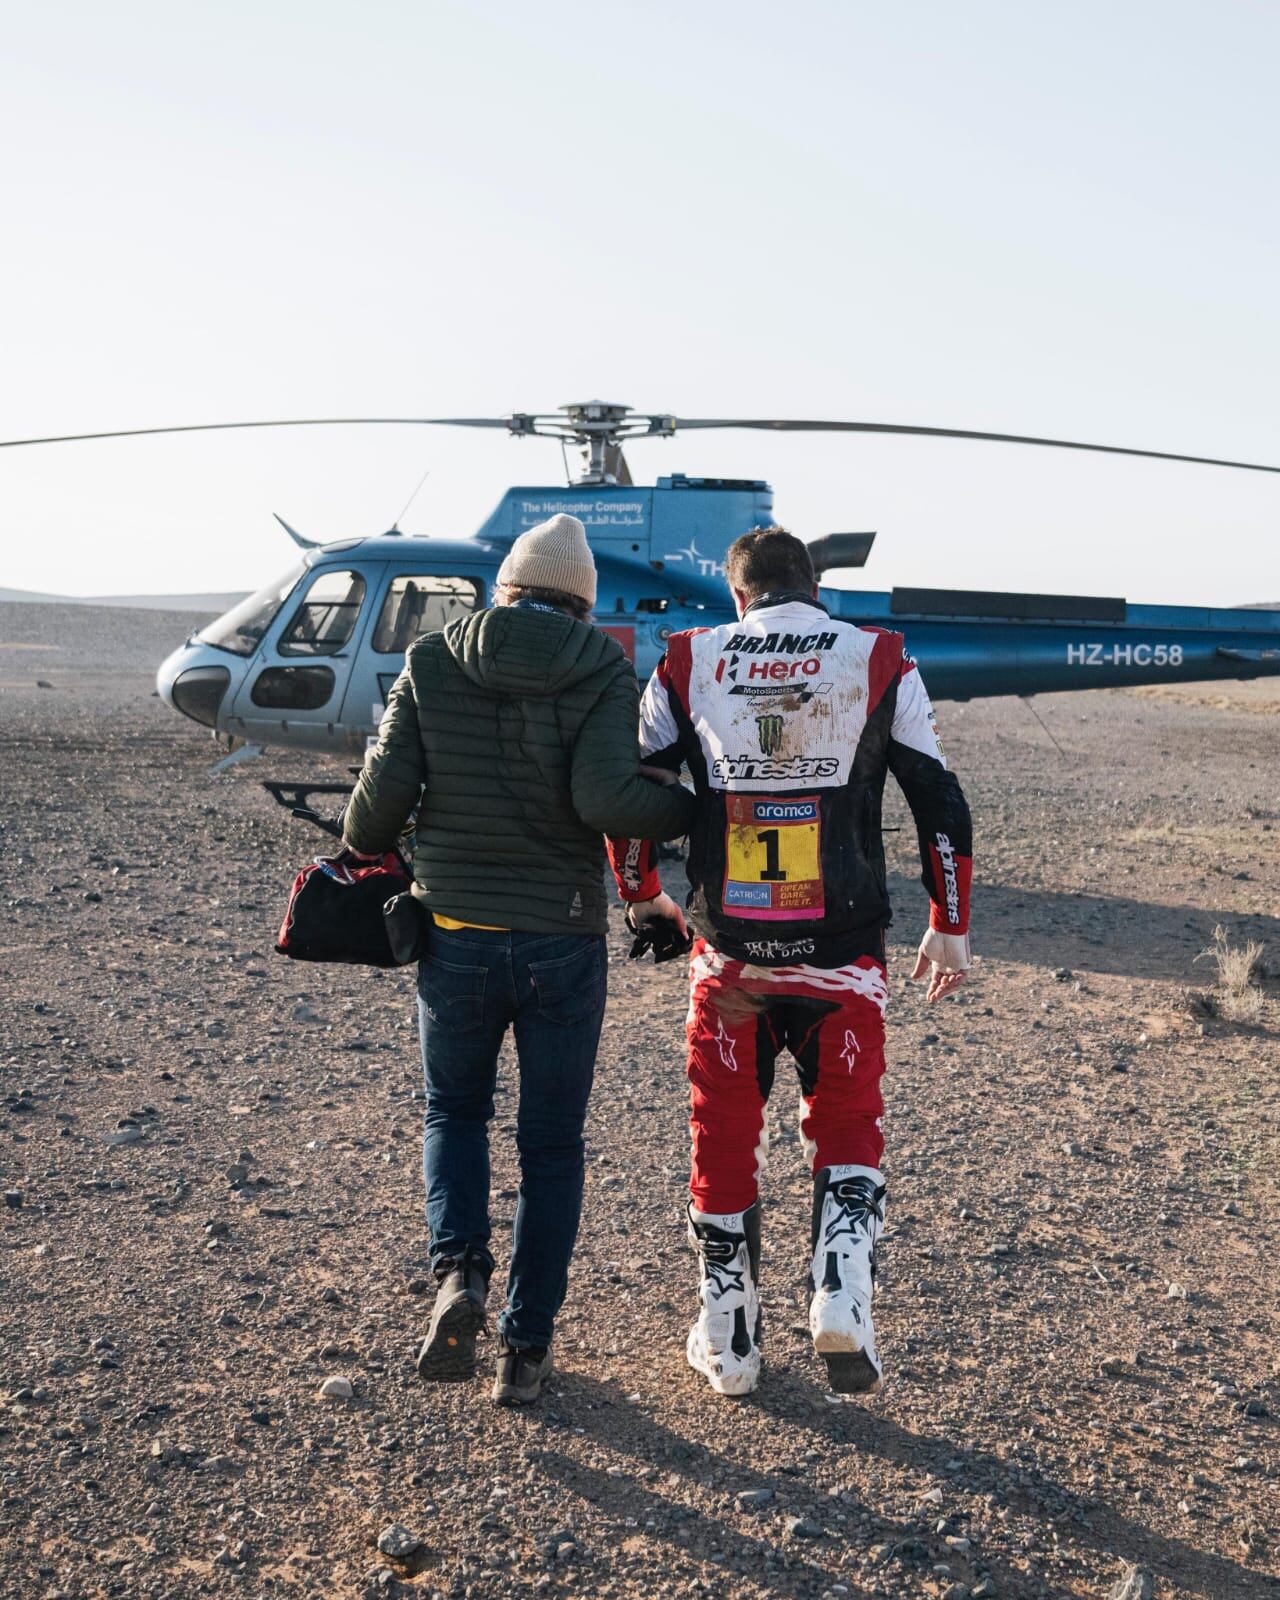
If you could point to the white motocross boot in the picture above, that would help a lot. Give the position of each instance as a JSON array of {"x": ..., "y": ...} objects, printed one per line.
[
  {"x": 848, "y": 1214},
  {"x": 724, "y": 1343}
]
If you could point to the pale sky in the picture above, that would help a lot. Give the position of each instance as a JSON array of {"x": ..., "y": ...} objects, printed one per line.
[{"x": 1037, "y": 219}]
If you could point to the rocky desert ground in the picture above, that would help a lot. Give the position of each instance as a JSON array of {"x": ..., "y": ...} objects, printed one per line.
[{"x": 210, "y": 1160}]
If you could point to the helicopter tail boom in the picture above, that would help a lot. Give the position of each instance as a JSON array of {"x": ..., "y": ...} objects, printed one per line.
[{"x": 989, "y": 644}]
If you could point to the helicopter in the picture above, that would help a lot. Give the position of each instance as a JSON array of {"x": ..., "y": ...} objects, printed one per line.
[{"x": 307, "y": 662}]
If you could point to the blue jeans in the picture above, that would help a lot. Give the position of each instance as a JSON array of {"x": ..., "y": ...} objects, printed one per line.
[{"x": 472, "y": 985}]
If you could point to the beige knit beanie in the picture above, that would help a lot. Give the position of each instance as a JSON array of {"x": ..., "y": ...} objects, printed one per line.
[{"x": 554, "y": 555}]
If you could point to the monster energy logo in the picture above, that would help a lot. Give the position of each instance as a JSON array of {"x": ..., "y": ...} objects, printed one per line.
[{"x": 770, "y": 731}]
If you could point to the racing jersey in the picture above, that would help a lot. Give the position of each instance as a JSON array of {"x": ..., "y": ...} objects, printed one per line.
[{"x": 788, "y": 721}]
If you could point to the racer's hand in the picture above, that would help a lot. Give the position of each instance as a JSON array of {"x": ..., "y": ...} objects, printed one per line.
[
  {"x": 659, "y": 926},
  {"x": 945, "y": 957}
]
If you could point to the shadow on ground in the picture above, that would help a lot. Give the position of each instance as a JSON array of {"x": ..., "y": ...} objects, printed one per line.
[
  {"x": 1096, "y": 933},
  {"x": 594, "y": 1408}
]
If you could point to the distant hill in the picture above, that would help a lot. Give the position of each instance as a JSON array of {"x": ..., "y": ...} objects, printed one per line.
[{"x": 137, "y": 602}]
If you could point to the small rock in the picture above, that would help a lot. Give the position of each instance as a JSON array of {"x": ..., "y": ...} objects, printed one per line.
[
  {"x": 237, "y": 1174},
  {"x": 956, "y": 1591},
  {"x": 1111, "y": 1367},
  {"x": 878, "y": 1554},
  {"x": 397, "y": 1542},
  {"x": 1255, "y": 1408},
  {"x": 337, "y": 1388},
  {"x": 750, "y": 1499},
  {"x": 92, "y": 897},
  {"x": 1062, "y": 974},
  {"x": 1135, "y": 1584},
  {"x": 331, "y": 1297},
  {"x": 1175, "y": 1291},
  {"x": 215, "y": 1029},
  {"x": 13, "y": 1199},
  {"x": 801, "y": 1528},
  {"x": 931, "y": 1497},
  {"x": 986, "y": 1590},
  {"x": 126, "y": 1135},
  {"x": 1231, "y": 1209},
  {"x": 43, "y": 683},
  {"x": 1071, "y": 1148},
  {"x": 958, "y": 1543}
]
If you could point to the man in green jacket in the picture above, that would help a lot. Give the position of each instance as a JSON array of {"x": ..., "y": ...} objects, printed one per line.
[{"x": 513, "y": 732}]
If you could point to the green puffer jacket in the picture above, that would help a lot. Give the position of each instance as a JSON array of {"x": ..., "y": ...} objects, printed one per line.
[{"x": 518, "y": 728}]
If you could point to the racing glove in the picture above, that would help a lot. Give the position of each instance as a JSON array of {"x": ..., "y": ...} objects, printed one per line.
[{"x": 659, "y": 926}]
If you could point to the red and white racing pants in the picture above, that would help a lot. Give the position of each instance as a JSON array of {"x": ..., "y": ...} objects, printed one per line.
[{"x": 740, "y": 1017}]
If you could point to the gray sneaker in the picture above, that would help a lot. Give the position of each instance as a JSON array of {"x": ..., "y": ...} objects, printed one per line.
[{"x": 521, "y": 1374}]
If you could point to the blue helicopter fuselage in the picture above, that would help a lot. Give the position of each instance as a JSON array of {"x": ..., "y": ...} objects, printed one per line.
[{"x": 308, "y": 662}]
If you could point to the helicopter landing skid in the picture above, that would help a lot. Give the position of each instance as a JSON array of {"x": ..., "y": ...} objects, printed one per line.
[
  {"x": 296, "y": 799},
  {"x": 246, "y": 752}
]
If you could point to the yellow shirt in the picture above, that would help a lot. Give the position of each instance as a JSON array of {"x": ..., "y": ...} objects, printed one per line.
[{"x": 452, "y": 924}]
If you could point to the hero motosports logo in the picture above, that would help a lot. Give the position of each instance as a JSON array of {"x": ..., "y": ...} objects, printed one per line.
[
  {"x": 767, "y": 769},
  {"x": 947, "y": 861}
]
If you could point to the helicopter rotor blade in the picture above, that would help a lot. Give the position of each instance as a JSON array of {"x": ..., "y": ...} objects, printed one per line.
[
  {"x": 787, "y": 425},
  {"x": 292, "y": 422}
]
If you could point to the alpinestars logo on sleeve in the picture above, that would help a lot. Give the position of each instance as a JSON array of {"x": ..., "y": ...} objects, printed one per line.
[{"x": 950, "y": 888}]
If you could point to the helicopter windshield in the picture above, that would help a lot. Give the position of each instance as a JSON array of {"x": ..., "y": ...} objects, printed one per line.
[{"x": 242, "y": 628}]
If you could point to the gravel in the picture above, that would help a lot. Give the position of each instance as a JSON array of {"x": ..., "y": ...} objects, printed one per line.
[{"x": 170, "y": 1292}]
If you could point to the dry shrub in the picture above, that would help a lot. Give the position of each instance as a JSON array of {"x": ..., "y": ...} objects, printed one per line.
[{"x": 1237, "y": 997}]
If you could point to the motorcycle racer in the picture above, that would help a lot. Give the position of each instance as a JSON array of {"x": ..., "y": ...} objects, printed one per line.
[{"x": 789, "y": 722}]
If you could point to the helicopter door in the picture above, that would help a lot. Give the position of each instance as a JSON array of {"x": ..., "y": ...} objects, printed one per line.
[
  {"x": 298, "y": 681},
  {"x": 410, "y": 604}
]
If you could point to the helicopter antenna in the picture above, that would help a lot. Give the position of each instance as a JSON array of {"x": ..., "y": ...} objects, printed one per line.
[
  {"x": 395, "y": 526},
  {"x": 564, "y": 456},
  {"x": 303, "y": 544}
]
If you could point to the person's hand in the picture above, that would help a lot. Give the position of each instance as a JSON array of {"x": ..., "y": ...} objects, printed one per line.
[
  {"x": 362, "y": 855},
  {"x": 945, "y": 957},
  {"x": 658, "y": 925}
]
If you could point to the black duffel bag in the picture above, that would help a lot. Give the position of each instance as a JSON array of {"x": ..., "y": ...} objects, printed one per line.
[{"x": 336, "y": 911}]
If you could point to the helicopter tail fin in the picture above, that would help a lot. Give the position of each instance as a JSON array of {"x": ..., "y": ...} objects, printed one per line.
[
  {"x": 303, "y": 544},
  {"x": 840, "y": 550}
]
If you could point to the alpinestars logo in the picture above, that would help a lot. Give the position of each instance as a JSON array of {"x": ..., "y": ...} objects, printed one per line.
[
  {"x": 766, "y": 769},
  {"x": 769, "y": 730},
  {"x": 950, "y": 888},
  {"x": 631, "y": 864}
]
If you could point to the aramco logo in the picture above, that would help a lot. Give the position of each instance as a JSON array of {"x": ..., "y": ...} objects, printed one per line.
[{"x": 769, "y": 730}]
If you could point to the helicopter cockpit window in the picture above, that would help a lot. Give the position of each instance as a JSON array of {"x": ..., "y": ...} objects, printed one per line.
[
  {"x": 242, "y": 628},
  {"x": 326, "y": 619},
  {"x": 418, "y": 604}
]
